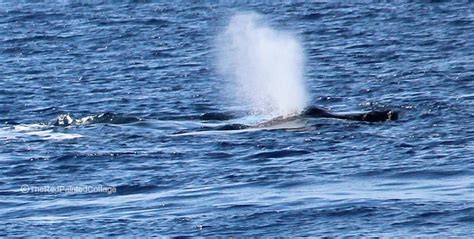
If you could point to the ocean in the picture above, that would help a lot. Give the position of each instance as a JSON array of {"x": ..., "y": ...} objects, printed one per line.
[{"x": 147, "y": 118}]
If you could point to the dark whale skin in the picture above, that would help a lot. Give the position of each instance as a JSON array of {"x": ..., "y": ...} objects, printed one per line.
[{"x": 371, "y": 116}]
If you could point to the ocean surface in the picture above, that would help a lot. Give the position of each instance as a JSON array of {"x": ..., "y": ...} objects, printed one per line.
[{"x": 121, "y": 102}]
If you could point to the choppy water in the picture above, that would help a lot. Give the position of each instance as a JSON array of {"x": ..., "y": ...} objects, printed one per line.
[{"x": 150, "y": 67}]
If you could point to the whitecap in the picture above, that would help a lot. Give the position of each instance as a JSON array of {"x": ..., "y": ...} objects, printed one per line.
[{"x": 42, "y": 131}]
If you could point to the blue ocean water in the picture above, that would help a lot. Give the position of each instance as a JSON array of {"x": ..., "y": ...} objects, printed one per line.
[{"x": 139, "y": 79}]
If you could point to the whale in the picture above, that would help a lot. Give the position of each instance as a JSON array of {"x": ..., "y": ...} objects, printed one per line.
[
  {"x": 313, "y": 112},
  {"x": 371, "y": 116},
  {"x": 66, "y": 120}
]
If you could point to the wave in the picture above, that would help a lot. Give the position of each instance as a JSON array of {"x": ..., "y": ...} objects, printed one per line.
[
  {"x": 279, "y": 154},
  {"x": 42, "y": 131}
]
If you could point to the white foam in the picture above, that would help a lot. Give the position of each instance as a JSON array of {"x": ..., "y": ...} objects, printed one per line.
[
  {"x": 30, "y": 127},
  {"x": 38, "y": 130}
]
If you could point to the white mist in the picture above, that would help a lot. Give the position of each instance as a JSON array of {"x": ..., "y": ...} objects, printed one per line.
[{"x": 265, "y": 66}]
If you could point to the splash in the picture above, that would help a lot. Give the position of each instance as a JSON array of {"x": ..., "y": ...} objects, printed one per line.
[
  {"x": 107, "y": 118},
  {"x": 264, "y": 66}
]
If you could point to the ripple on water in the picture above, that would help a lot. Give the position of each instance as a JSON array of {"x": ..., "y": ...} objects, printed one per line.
[{"x": 126, "y": 95}]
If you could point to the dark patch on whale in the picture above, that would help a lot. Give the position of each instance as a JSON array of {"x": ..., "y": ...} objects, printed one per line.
[{"x": 371, "y": 116}]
